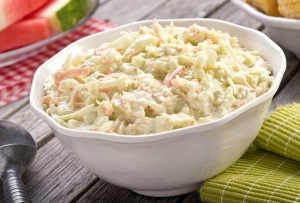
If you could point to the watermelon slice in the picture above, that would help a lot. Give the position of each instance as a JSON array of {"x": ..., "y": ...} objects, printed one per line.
[
  {"x": 23, "y": 33},
  {"x": 13, "y": 10},
  {"x": 63, "y": 14}
]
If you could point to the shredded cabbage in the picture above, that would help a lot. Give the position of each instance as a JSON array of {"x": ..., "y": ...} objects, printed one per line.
[{"x": 156, "y": 79}]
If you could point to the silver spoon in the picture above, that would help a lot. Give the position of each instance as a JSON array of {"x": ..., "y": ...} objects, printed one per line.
[{"x": 17, "y": 151}]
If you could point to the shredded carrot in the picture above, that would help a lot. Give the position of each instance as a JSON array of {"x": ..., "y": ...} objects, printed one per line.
[
  {"x": 134, "y": 126},
  {"x": 146, "y": 89},
  {"x": 180, "y": 88},
  {"x": 196, "y": 49},
  {"x": 123, "y": 104},
  {"x": 193, "y": 122},
  {"x": 105, "y": 89},
  {"x": 161, "y": 82},
  {"x": 156, "y": 31},
  {"x": 154, "y": 24},
  {"x": 146, "y": 122},
  {"x": 178, "y": 71},
  {"x": 194, "y": 34},
  {"x": 135, "y": 53},
  {"x": 100, "y": 76},
  {"x": 105, "y": 61},
  {"x": 94, "y": 128},
  {"x": 46, "y": 99},
  {"x": 71, "y": 73},
  {"x": 184, "y": 96},
  {"x": 160, "y": 40},
  {"x": 79, "y": 104},
  {"x": 77, "y": 101},
  {"x": 241, "y": 104},
  {"x": 262, "y": 86},
  {"x": 104, "y": 110},
  {"x": 109, "y": 70},
  {"x": 99, "y": 51},
  {"x": 207, "y": 37}
]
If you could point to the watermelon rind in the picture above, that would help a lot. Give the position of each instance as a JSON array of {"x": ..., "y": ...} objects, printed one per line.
[{"x": 71, "y": 13}]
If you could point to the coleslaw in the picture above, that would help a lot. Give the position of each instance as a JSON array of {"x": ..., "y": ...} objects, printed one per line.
[{"x": 155, "y": 79}]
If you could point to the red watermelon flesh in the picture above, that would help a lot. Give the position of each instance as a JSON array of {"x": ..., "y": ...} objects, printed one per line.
[
  {"x": 23, "y": 33},
  {"x": 13, "y": 10}
]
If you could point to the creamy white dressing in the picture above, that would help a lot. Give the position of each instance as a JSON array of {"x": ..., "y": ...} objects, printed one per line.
[{"x": 156, "y": 79}]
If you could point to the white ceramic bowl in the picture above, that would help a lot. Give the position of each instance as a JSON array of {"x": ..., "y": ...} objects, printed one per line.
[
  {"x": 285, "y": 31},
  {"x": 174, "y": 162}
]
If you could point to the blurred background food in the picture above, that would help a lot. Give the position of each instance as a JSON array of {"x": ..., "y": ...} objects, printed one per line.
[
  {"x": 289, "y": 8},
  {"x": 270, "y": 7},
  {"x": 28, "y": 21},
  {"x": 282, "y": 8},
  {"x": 12, "y": 11}
]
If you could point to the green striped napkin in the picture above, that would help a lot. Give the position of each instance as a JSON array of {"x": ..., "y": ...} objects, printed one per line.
[{"x": 269, "y": 171}]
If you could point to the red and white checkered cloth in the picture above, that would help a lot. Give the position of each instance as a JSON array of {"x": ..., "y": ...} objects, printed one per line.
[{"x": 15, "y": 79}]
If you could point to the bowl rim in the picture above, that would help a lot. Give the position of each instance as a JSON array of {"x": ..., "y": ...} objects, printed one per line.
[
  {"x": 162, "y": 135},
  {"x": 266, "y": 19}
]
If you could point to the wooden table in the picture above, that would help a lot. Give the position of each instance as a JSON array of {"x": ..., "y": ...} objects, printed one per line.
[{"x": 56, "y": 175}]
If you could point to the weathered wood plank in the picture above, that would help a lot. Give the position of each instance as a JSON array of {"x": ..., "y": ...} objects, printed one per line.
[
  {"x": 105, "y": 192},
  {"x": 230, "y": 13},
  {"x": 126, "y": 11},
  {"x": 193, "y": 197},
  {"x": 292, "y": 69},
  {"x": 184, "y": 9},
  {"x": 293, "y": 63},
  {"x": 56, "y": 175},
  {"x": 289, "y": 94},
  {"x": 25, "y": 117},
  {"x": 8, "y": 109}
]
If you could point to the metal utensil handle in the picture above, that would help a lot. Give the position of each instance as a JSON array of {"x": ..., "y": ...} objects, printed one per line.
[{"x": 14, "y": 188}]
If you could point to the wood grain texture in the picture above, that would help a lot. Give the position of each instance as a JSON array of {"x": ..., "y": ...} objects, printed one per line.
[
  {"x": 126, "y": 11},
  {"x": 56, "y": 175},
  {"x": 193, "y": 197},
  {"x": 103, "y": 192},
  {"x": 184, "y": 9},
  {"x": 293, "y": 64},
  {"x": 32, "y": 123},
  {"x": 10, "y": 108},
  {"x": 229, "y": 12},
  {"x": 289, "y": 94},
  {"x": 292, "y": 70}
]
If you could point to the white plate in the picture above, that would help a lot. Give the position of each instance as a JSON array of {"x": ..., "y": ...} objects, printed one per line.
[{"x": 16, "y": 55}]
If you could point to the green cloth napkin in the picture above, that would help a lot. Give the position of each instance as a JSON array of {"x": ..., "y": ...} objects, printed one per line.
[{"x": 269, "y": 171}]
